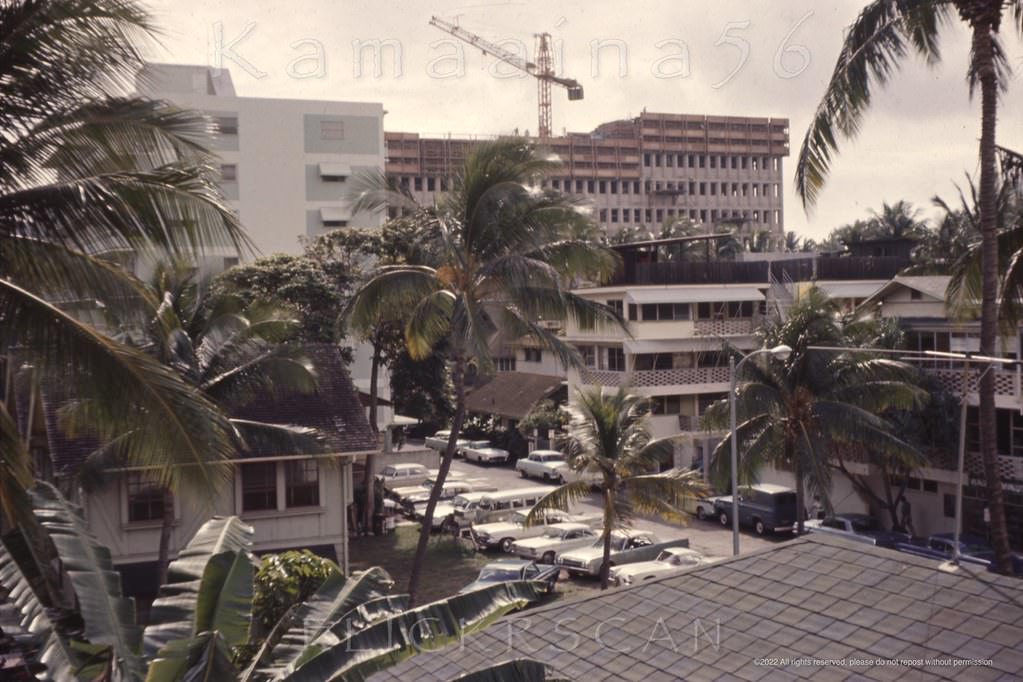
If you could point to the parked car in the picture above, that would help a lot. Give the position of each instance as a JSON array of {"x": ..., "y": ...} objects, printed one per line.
[
  {"x": 627, "y": 547},
  {"x": 668, "y": 561},
  {"x": 427, "y": 484},
  {"x": 505, "y": 570},
  {"x": 439, "y": 442},
  {"x": 449, "y": 523},
  {"x": 859, "y": 528},
  {"x": 485, "y": 454},
  {"x": 504, "y": 533},
  {"x": 556, "y": 539},
  {"x": 701, "y": 507},
  {"x": 499, "y": 506},
  {"x": 545, "y": 464},
  {"x": 402, "y": 475},
  {"x": 765, "y": 507},
  {"x": 415, "y": 504},
  {"x": 464, "y": 445},
  {"x": 972, "y": 550}
]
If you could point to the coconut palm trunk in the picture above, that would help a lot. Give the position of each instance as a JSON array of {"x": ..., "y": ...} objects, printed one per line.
[
  {"x": 983, "y": 18},
  {"x": 458, "y": 379},
  {"x": 368, "y": 482},
  {"x": 609, "y": 518}
]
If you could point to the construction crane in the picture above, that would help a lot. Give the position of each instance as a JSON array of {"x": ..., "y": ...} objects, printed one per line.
[{"x": 542, "y": 70}]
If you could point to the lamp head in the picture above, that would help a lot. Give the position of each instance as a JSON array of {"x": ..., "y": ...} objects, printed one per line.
[{"x": 781, "y": 352}]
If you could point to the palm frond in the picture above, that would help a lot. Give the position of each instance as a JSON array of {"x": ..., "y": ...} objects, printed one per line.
[
  {"x": 391, "y": 293},
  {"x": 561, "y": 498}
]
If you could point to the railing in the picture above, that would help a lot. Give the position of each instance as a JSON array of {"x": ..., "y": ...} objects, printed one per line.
[
  {"x": 656, "y": 377},
  {"x": 1006, "y": 383},
  {"x": 739, "y": 327},
  {"x": 1009, "y": 468}
]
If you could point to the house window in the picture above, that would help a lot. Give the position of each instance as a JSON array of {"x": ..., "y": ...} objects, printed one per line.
[
  {"x": 332, "y": 130},
  {"x": 229, "y": 172},
  {"x": 226, "y": 125},
  {"x": 505, "y": 364},
  {"x": 302, "y": 483},
  {"x": 616, "y": 359},
  {"x": 533, "y": 355},
  {"x": 259, "y": 486},
  {"x": 145, "y": 499}
]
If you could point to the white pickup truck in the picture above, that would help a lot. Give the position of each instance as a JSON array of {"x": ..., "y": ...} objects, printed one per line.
[
  {"x": 485, "y": 454},
  {"x": 627, "y": 547},
  {"x": 504, "y": 534}
]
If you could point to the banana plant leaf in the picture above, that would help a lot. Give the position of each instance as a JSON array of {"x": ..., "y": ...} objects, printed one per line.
[
  {"x": 389, "y": 641},
  {"x": 335, "y": 598},
  {"x": 108, "y": 615},
  {"x": 209, "y": 586},
  {"x": 205, "y": 658}
]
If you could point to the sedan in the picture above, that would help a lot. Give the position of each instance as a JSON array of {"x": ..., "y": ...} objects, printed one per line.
[
  {"x": 506, "y": 570},
  {"x": 669, "y": 561},
  {"x": 556, "y": 539}
]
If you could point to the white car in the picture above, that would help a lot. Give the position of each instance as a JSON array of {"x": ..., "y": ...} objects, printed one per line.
[
  {"x": 439, "y": 442},
  {"x": 504, "y": 534},
  {"x": 403, "y": 474},
  {"x": 427, "y": 484},
  {"x": 485, "y": 455},
  {"x": 668, "y": 561},
  {"x": 451, "y": 490},
  {"x": 627, "y": 547},
  {"x": 545, "y": 464},
  {"x": 560, "y": 537}
]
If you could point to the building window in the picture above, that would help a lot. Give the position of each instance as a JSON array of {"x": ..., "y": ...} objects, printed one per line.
[
  {"x": 505, "y": 364},
  {"x": 226, "y": 125},
  {"x": 666, "y": 404},
  {"x": 533, "y": 355},
  {"x": 617, "y": 305},
  {"x": 633, "y": 312},
  {"x": 616, "y": 359},
  {"x": 302, "y": 483},
  {"x": 332, "y": 130},
  {"x": 665, "y": 311},
  {"x": 229, "y": 172},
  {"x": 145, "y": 499},
  {"x": 259, "y": 486},
  {"x": 589, "y": 356}
]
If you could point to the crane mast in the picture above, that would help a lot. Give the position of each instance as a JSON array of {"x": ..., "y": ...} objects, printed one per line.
[{"x": 542, "y": 69}]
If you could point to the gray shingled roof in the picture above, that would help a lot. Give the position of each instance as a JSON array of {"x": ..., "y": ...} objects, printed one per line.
[
  {"x": 817, "y": 597},
  {"x": 511, "y": 394}
]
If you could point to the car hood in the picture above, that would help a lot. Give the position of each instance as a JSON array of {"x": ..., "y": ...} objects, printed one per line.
[
  {"x": 497, "y": 528},
  {"x": 540, "y": 541},
  {"x": 644, "y": 567},
  {"x": 585, "y": 553}
]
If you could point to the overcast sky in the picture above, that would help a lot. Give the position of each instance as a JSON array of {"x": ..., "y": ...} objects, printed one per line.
[{"x": 753, "y": 58}]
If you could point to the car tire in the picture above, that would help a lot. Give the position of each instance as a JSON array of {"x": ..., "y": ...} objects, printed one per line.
[
  {"x": 522, "y": 473},
  {"x": 758, "y": 527},
  {"x": 506, "y": 545},
  {"x": 561, "y": 479},
  {"x": 546, "y": 477},
  {"x": 723, "y": 518},
  {"x": 700, "y": 514},
  {"x": 548, "y": 558}
]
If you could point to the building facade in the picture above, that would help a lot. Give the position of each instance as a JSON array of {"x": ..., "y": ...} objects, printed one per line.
[
  {"x": 284, "y": 162},
  {"x": 641, "y": 171}
]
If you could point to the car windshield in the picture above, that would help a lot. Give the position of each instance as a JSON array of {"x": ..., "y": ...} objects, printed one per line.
[
  {"x": 498, "y": 573},
  {"x": 864, "y": 525},
  {"x": 665, "y": 556},
  {"x": 518, "y": 518},
  {"x": 462, "y": 503},
  {"x": 553, "y": 533}
]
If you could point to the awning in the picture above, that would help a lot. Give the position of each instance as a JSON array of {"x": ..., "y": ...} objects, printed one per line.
[
  {"x": 679, "y": 295},
  {"x": 334, "y": 215},
  {"x": 335, "y": 170}
]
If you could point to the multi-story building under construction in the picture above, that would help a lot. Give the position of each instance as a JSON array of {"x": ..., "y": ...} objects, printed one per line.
[{"x": 640, "y": 171}]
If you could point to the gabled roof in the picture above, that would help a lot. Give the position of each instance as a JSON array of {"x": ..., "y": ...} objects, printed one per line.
[
  {"x": 512, "y": 394},
  {"x": 335, "y": 409},
  {"x": 933, "y": 286},
  {"x": 817, "y": 597}
]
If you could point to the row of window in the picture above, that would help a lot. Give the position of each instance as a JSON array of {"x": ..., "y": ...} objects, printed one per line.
[
  {"x": 682, "y": 188},
  {"x": 723, "y": 161},
  {"x": 329, "y": 129},
  {"x": 707, "y": 310},
  {"x": 603, "y": 357},
  {"x": 657, "y": 216},
  {"x": 259, "y": 489}
]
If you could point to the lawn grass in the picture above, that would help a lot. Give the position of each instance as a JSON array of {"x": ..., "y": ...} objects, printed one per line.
[{"x": 450, "y": 565}]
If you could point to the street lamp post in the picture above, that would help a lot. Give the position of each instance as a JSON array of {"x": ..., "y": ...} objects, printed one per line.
[{"x": 782, "y": 352}]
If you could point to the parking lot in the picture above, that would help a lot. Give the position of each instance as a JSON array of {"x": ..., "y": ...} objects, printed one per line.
[{"x": 707, "y": 537}]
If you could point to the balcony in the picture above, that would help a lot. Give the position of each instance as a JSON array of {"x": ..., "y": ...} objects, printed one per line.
[
  {"x": 1009, "y": 468},
  {"x": 1007, "y": 384},
  {"x": 656, "y": 377},
  {"x": 718, "y": 328}
]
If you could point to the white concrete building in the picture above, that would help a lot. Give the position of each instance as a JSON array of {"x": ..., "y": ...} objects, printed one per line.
[{"x": 284, "y": 162}]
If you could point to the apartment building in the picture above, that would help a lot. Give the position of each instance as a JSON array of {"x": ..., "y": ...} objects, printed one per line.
[
  {"x": 640, "y": 171},
  {"x": 284, "y": 162}
]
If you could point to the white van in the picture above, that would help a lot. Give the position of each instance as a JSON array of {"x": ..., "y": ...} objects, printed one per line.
[{"x": 498, "y": 506}]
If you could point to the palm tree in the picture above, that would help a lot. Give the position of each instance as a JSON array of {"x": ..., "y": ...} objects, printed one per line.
[
  {"x": 874, "y": 45},
  {"x": 86, "y": 168},
  {"x": 897, "y": 221},
  {"x": 794, "y": 413},
  {"x": 200, "y": 626},
  {"x": 507, "y": 252},
  {"x": 607, "y": 434}
]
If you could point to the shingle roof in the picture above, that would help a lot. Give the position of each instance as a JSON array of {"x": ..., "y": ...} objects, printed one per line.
[
  {"x": 511, "y": 394},
  {"x": 335, "y": 409},
  {"x": 817, "y": 598}
]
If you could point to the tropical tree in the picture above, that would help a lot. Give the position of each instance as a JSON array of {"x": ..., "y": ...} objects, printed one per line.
[
  {"x": 87, "y": 169},
  {"x": 608, "y": 435},
  {"x": 900, "y": 220},
  {"x": 507, "y": 252},
  {"x": 873, "y": 47},
  {"x": 793, "y": 414},
  {"x": 200, "y": 626}
]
